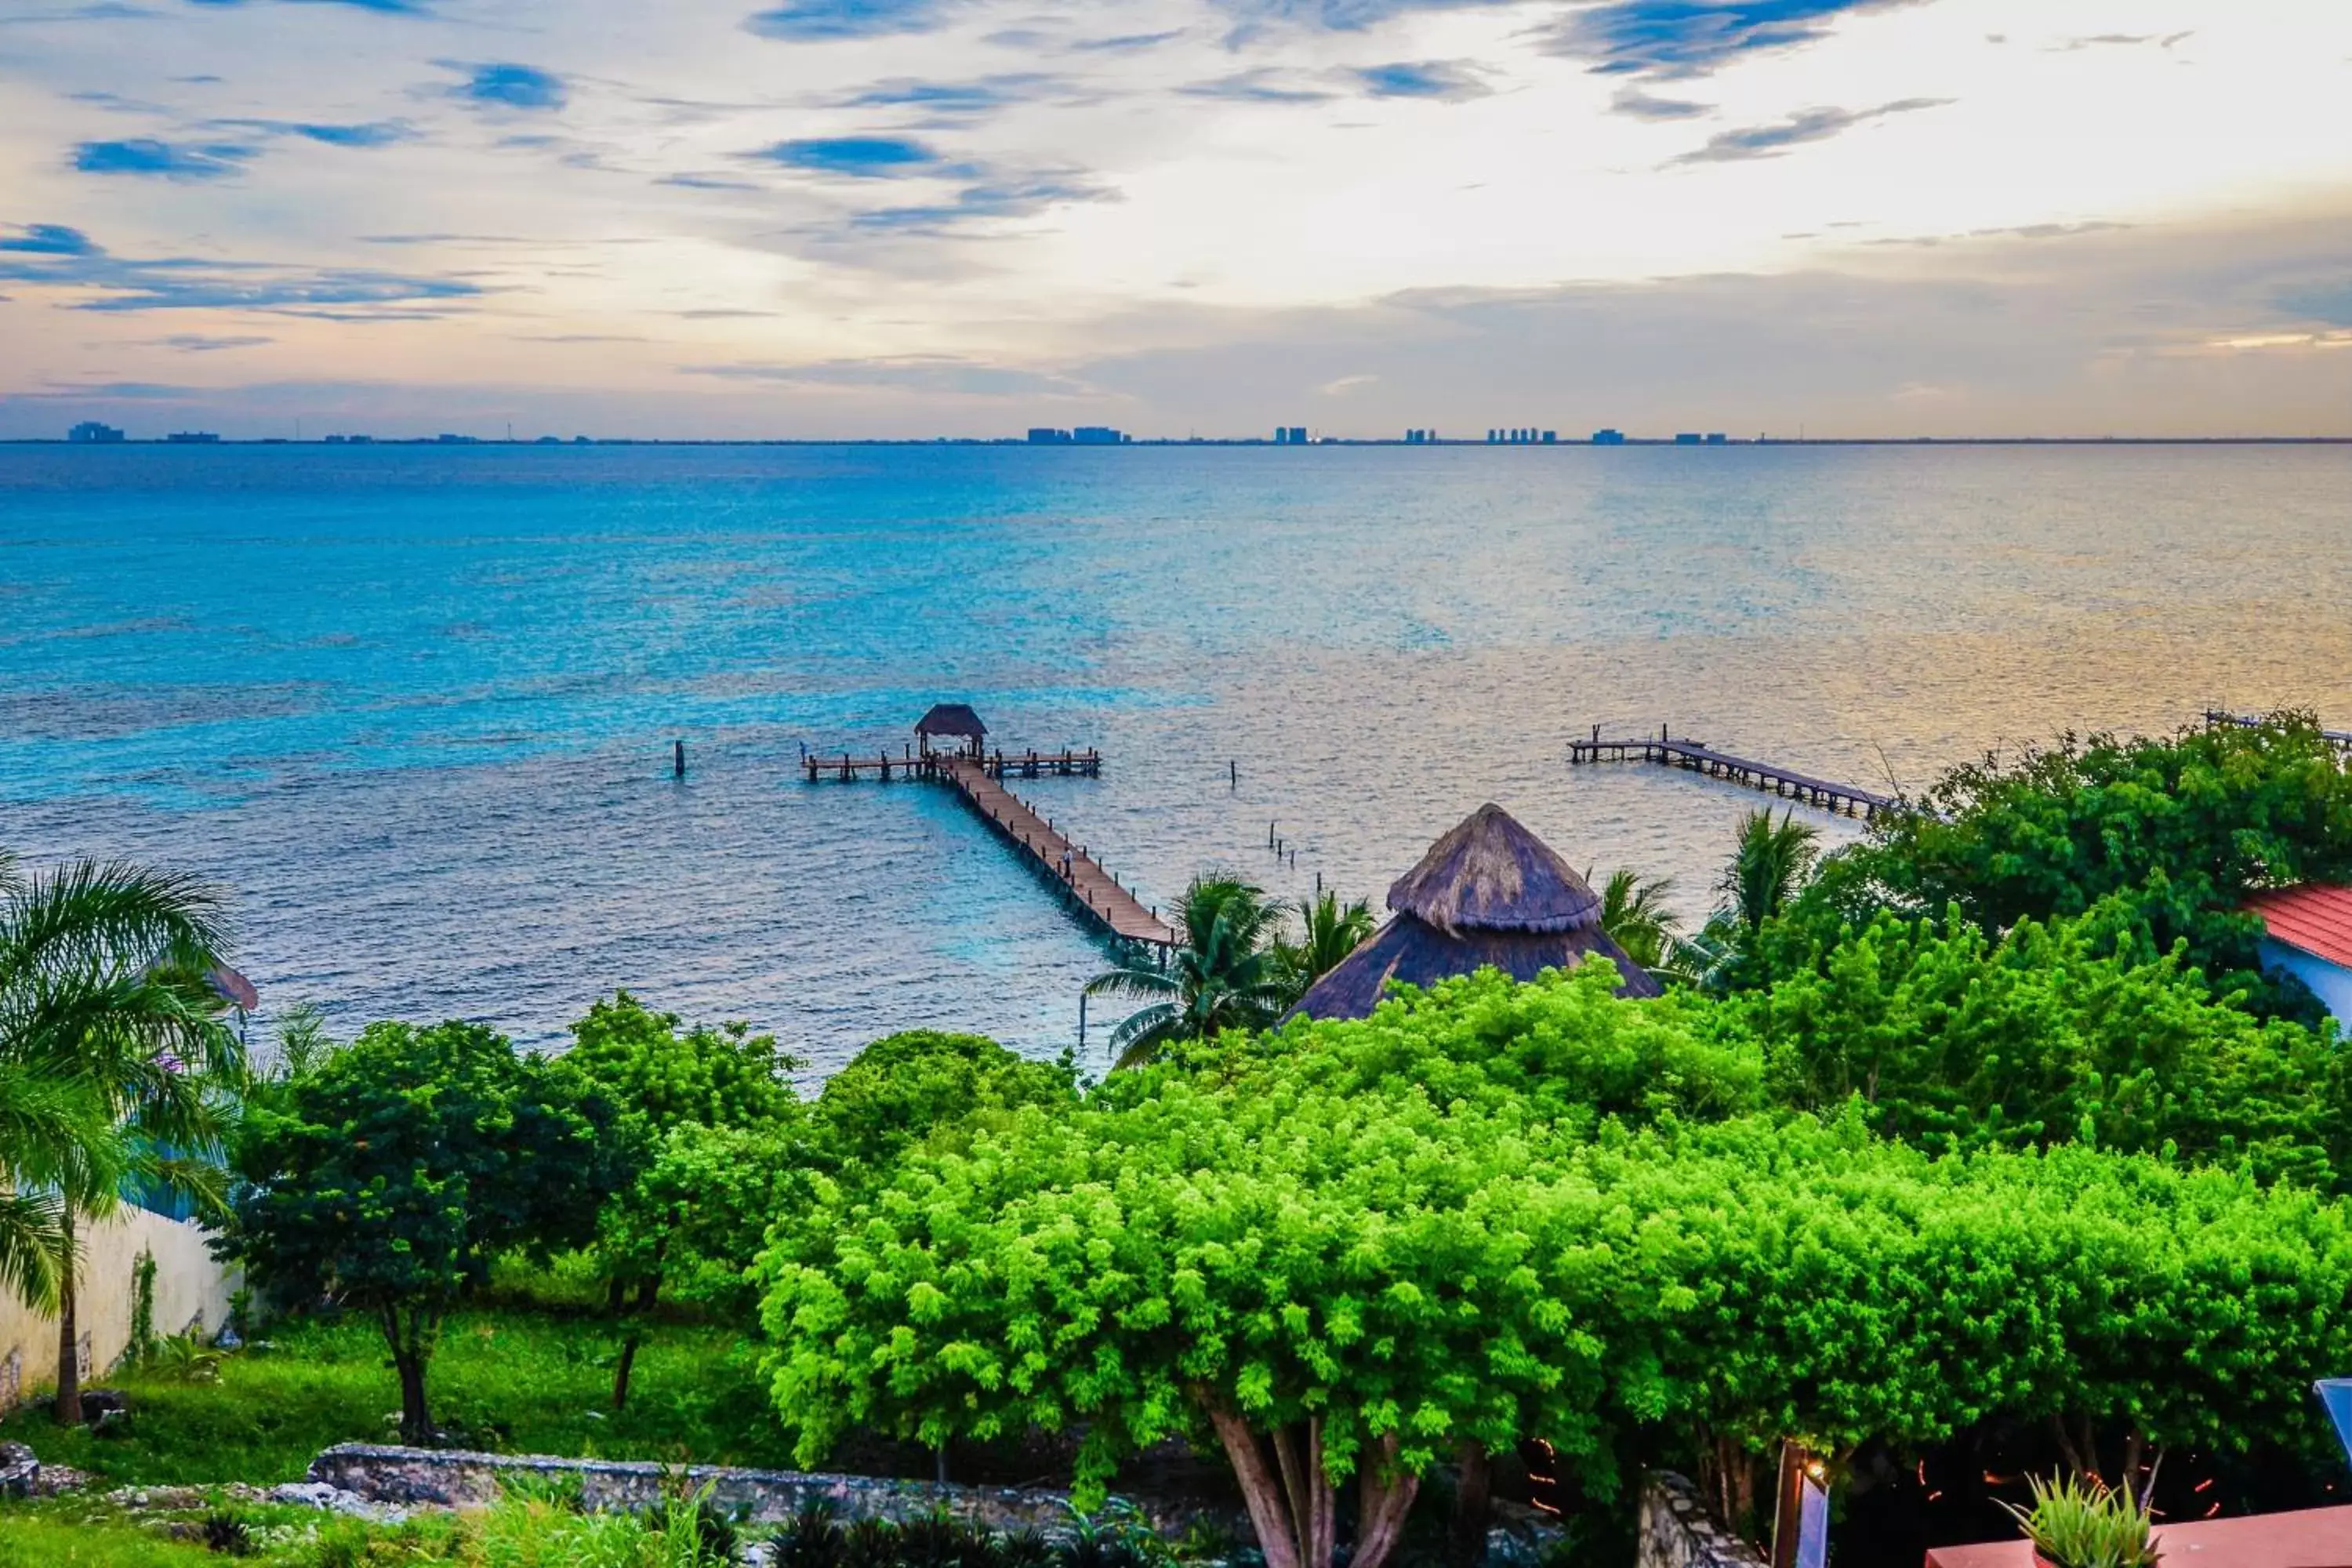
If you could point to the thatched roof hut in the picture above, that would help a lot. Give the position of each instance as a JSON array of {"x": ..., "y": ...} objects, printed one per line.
[
  {"x": 955, "y": 720},
  {"x": 1489, "y": 892}
]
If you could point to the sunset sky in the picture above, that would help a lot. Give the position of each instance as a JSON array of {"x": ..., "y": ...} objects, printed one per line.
[{"x": 905, "y": 218}]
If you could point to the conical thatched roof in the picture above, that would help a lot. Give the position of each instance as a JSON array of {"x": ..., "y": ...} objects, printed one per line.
[
  {"x": 1490, "y": 893},
  {"x": 1490, "y": 874}
]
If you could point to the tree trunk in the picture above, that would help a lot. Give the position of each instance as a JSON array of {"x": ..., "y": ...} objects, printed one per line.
[
  {"x": 415, "y": 1421},
  {"x": 621, "y": 1369},
  {"x": 68, "y": 1405},
  {"x": 1293, "y": 1511},
  {"x": 1470, "y": 1509}
]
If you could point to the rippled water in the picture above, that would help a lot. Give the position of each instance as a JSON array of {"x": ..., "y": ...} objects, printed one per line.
[{"x": 414, "y": 708}]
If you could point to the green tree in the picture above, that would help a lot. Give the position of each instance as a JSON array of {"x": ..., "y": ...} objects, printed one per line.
[
  {"x": 899, "y": 1089},
  {"x": 661, "y": 1079},
  {"x": 394, "y": 1174},
  {"x": 1328, "y": 931},
  {"x": 1770, "y": 865},
  {"x": 1637, "y": 917},
  {"x": 1225, "y": 974},
  {"x": 1954, "y": 1038},
  {"x": 116, "y": 1071},
  {"x": 2184, "y": 827}
]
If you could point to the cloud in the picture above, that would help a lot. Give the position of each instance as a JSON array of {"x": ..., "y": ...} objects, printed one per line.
[
  {"x": 857, "y": 157},
  {"x": 2329, "y": 301},
  {"x": 1447, "y": 81},
  {"x": 52, "y": 255},
  {"x": 371, "y": 134},
  {"x": 200, "y": 342},
  {"x": 1338, "y": 15},
  {"x": 165, "y": 160},
  {"x": 1747, "y": 143},
  {"x": 47, "y": 239},
  {"x": 816, "y": 21},
  {"x": 707, "y": 183},
  {"x": 505, "y": 85},
  {"x": 1002, "y": 198},
  {"x": 1672, "y": 39},
  {"x": 1263, "y": 85},
  {"x": 957, "y": 101},
  {"x": 1127, "y": 43},
  {"x": 384, "y": 7},
  {"x": 934, "y": 374},
  {"x": 1639, "y": 105},
  {"x": 2120, "y": 41}
]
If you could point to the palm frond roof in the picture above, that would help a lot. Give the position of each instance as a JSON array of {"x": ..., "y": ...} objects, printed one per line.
[{"x": 1490, "y": 874}]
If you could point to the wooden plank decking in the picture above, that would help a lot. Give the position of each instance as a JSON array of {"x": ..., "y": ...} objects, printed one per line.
[
  {"x": 1080, "y": 875},
  {"x": 1698, "y": 757}
]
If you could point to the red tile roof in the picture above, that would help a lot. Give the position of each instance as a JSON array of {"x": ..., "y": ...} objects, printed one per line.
[{"x": 2315, "y": 918}]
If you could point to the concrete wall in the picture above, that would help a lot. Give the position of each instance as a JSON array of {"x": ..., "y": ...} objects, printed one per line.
[
  {"x": 190, "y": 1289},
  {"x": 2331, "y": 983},
  {"x": 1678, "y": 1530}
]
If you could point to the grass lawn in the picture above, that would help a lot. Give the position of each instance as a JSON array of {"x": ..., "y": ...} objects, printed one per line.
[{"x": 524, "y": 1378}]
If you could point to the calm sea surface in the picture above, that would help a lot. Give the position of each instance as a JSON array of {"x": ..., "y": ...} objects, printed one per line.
[{"x": 414, "y": 708}]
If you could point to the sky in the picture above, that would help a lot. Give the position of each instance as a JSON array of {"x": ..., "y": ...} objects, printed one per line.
[{"x": 817, "y": 219}]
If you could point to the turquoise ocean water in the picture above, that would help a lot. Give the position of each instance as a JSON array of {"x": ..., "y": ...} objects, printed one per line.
[{"x": 412, "y": 708}]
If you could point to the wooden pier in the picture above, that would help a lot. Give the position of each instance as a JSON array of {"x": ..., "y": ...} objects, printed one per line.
[
  {"x": 913, "y": 765},
  {"x": 977, "y": 776},
  {"x": 1698, "y": 757}
]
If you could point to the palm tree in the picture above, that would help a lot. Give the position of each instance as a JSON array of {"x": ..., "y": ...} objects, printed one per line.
[
  {"x": 1224, "y": 975},
  {"x": 1635, "y": 915},
  {"x": 1771, "y": 864},
  {"x": 111, "y": 1031},
  {"x": 1328, "y": 931}
]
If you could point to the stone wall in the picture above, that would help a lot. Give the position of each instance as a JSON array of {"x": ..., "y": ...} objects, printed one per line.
[
  {"x": 191, "y": 1290},
  {"x": 1678, "y": 1530},
  {"x": 409, "y": 1477}
]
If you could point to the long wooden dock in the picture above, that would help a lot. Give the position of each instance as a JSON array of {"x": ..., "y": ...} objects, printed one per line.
[
  {"x": 1698, "y": 757},
  {"x": 1089, "y": 889},
  {"x": 1072, "y": 866}
]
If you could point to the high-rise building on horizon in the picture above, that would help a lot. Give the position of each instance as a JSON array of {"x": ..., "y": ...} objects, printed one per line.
[{"x": 89, "y": 431}]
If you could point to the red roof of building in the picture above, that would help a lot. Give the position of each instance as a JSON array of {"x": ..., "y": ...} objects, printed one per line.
[
  {"x": 2311, "y": 1537},
  {"x": 2315, "y": 918}
]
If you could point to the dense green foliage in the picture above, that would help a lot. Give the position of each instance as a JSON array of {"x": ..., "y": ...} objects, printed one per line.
[
  {"x": 2182, "y": 827},
  {"x": 660, "y": 1075},
  {"x": 897, "y": 1089},
  {"x": 1389, "y": 1242},
  {"x": 1955, "y": 1039},
  {"x": 392, "y": 1177},
  {"x": 1328, "y": 931}
]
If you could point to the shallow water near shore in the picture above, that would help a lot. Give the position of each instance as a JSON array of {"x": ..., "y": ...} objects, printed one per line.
[{"x": 414, "y": 708}]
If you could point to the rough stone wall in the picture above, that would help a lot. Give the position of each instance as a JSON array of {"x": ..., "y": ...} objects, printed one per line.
[
  {"x": 191, "y": 1290},
  {"x": 407, "y": 1476},
  {"x": 1678, "y": 1530}
]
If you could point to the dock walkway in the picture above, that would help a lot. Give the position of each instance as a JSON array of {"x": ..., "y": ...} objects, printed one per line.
[
  {"x": 1698, "y": 757},
  {"x": 1090, "y": 887}
]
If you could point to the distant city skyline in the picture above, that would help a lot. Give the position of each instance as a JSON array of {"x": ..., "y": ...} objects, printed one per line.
[{"x": 897, "y": 218}]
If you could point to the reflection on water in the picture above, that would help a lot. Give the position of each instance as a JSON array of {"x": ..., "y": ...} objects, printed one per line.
[{"x": 414, "y": 707}]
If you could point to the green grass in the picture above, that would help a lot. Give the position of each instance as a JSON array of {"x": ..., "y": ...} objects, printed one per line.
[{"x": 526, "y": 1379}]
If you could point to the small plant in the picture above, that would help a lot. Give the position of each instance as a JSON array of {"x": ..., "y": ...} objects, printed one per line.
[
  {"x": 186, "y": 1358},
  {"x": 870, "y": 1543},
  {"x": 815, "y": 1538},
  {"x": 2076, "y": 1522},
  {"x": 226, "y": 1534},
  {"x": 142, "y": 1308}
]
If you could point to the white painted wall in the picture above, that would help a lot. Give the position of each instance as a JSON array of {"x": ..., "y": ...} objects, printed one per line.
[
  {"x": 190, "y": 1289},
  {"x": 2331, "y": 983}
]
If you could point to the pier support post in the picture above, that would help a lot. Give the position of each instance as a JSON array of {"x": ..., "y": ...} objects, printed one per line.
[{"x": 677, "y": 760}]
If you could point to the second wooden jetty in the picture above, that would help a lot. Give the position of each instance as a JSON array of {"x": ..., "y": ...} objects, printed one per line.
[
  {"x": 977, "y": 776},
  {"x": 1698, "y": 757}
]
